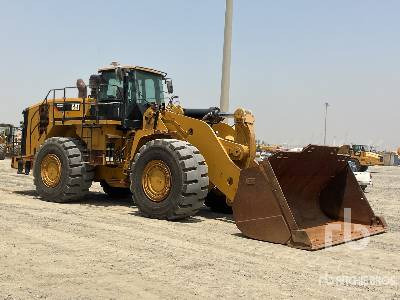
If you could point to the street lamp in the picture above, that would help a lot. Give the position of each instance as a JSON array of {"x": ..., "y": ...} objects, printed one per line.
[
  {"x": 226, "y": 60},
  {"x": 326, "y": 115}
]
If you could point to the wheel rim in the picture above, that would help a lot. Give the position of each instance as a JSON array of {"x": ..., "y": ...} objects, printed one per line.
[
  {"x": 156, "y": 180},
  {"x": 50, "y": 170}
]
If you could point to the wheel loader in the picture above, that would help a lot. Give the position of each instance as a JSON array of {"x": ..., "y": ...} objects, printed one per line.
[
  {"x": 3, "y": 147},
  {"x": 362, "y": 157},
  {"x": 133, "y": 137},
  {"x": 9, "y": 145}
]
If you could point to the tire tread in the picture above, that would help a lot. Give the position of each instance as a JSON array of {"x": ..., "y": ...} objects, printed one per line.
[
  {"x": 194, "y": 179},
  {"x": 80, "y": 174}
]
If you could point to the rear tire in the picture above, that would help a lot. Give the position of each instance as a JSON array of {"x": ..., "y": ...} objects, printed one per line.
[
  {"x": 115, "y": 192},
  {"x": 188, "y": 180},
  {"x": 75, "y": 176},
  {"x": 2, "y": 151}
]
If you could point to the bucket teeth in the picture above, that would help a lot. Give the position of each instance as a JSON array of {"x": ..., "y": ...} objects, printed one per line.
[{"x": 309, "y": 200}]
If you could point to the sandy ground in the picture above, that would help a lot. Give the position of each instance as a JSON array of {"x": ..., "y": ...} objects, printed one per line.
[{"x": 104, "y": 249}]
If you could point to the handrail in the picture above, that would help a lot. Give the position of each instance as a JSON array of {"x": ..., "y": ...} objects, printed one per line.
[{"x": 45, "y": 101}]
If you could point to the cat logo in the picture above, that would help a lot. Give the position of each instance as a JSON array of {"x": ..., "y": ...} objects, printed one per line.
[{"x": 76, "y": 106}]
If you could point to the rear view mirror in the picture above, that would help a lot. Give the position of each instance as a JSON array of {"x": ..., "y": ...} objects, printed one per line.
[{"x": 170, "y": 87}]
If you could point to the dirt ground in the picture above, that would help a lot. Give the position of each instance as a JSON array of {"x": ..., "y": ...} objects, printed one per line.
[{"x": 103, "y": 249}]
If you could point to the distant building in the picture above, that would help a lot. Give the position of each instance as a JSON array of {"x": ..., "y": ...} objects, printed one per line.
[{"x": 390, "y": 159}]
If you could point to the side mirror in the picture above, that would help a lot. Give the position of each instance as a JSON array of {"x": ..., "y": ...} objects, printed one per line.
[{"x": 170, "y": 87}]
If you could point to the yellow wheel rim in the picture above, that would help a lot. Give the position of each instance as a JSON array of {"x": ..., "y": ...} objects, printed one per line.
[
  {"x": 50, "y": 170},
  {"x": 156, "y": 180}
]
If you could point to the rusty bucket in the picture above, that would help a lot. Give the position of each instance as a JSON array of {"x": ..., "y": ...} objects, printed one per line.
[{"x": 309, "y": 200}]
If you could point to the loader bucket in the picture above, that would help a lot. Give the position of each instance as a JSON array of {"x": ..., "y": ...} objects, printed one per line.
[{"x": 309, "y": 200}]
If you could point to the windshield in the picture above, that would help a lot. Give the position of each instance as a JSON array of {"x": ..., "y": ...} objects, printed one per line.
[
  {"x": 149, "y": 87},
  {"x": 109, "y": 87},
  {"x": 5, "y": 130},
  {"x": 359, "y": 148}
]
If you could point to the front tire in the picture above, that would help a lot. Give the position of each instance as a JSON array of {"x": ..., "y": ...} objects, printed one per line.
[
  {"x": 60, "y": 173},
  {"x": 169, "y": 179}
]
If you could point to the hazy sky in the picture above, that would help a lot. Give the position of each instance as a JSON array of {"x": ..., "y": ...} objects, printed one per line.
[{"x": 288, "y": 58}]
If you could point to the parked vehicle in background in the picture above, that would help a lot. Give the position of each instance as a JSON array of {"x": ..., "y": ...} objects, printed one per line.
[
  {"x": 10, "y": 138},
  {"x": 362, "y": 156},
  {"x": 364, "y": 179},
  {"x": 261, "y": 155}
]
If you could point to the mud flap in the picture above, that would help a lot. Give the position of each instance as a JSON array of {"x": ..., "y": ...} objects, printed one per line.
[{"x": 309, "y": 199}]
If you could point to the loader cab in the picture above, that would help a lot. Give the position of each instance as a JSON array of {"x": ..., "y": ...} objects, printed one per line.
[
  {"x": 124, "y": 93},
  {"x": 360, "y": 148}
]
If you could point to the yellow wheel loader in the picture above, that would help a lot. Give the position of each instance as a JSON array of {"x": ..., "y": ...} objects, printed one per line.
[
  {"x": 3, "y": 147},
  {"x": 9, "y": 144},
  {"x": 127, "y": 137},
  {"x": 362, "y": 157}
]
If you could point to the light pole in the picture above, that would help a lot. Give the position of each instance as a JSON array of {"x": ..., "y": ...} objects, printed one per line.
[
  {"x": 326, "y": 115},
  {"x": 226, "y": 59}
]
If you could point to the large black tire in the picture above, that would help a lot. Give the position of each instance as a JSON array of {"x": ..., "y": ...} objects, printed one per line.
[
  {"x": 189, "y": 179},
  {"x": 2, "y": 151},
  {"x": 363, "y": 168},
  {"x": 216, "y": 201},
  {"x": 76, "y": 176},
  {"x": 115, "y": 192}
]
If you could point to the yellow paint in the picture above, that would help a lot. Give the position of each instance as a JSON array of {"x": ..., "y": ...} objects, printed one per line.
[
  {"x": 156, "y": 180},
  {"x": 226, "y": 149},
  {"x": 50, "y": 170},
  {"x": 365, "y": 158},
  {"x": 113, "y": 175}
]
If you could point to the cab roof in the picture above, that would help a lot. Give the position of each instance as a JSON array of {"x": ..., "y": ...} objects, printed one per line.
[{"x": 114, "y": 66}]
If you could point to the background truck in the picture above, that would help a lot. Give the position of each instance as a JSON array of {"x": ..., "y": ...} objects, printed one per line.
[
  {"x": 362, "y": 156},
  {"x": 364, "y": 179}
]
